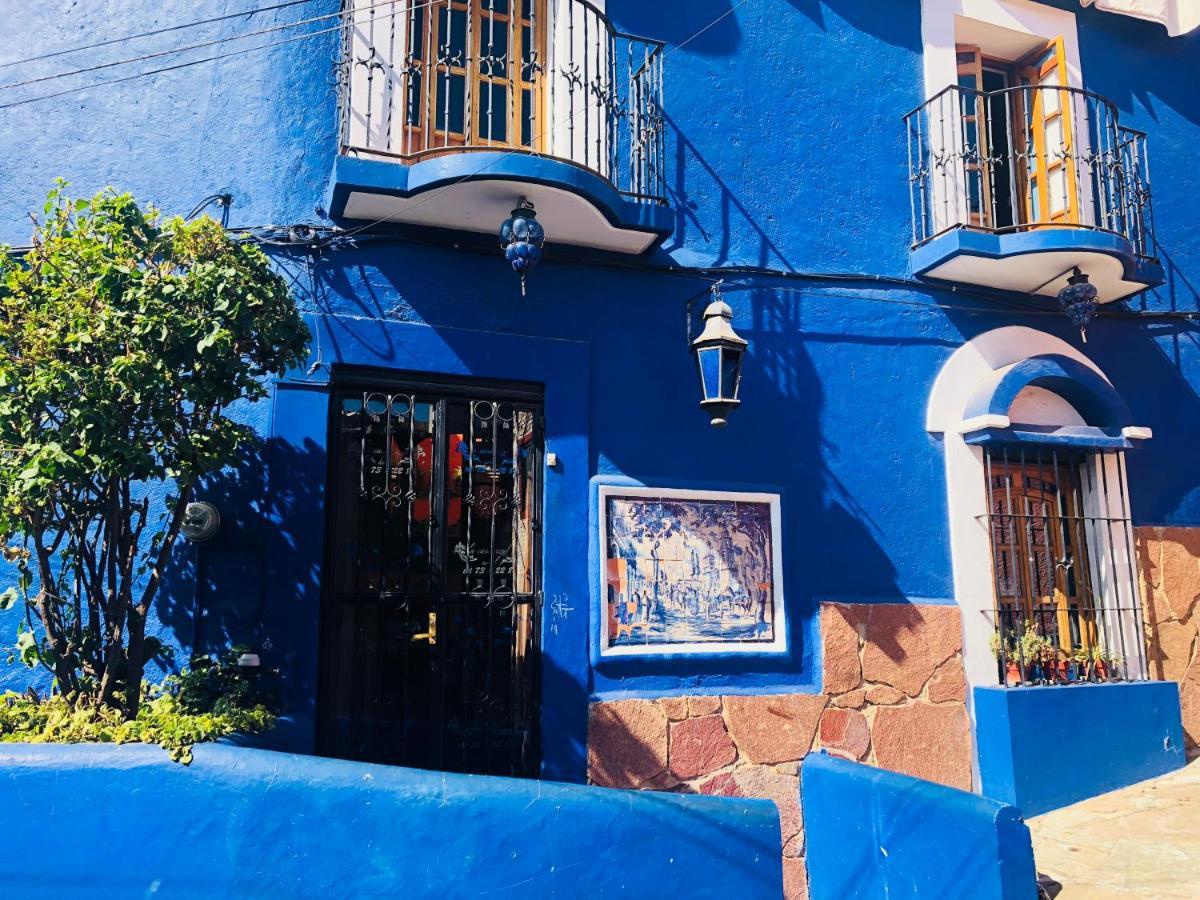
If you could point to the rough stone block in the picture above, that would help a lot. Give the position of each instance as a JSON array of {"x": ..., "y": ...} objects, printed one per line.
[
  {"x": 774, "y": 728},
  {"x": 925, "y": 741},
  {"x": 704, "y": 706},
  {"x": 676, "y": 708},
  {"x": 627, "y": 742},
  {"x": 905, "y": 643},
  {"x": 840, "y": 664},
  {"x": 795, "y": 880},
  {"x": 699, "y": 746},
  {"x": 948, "y": 683},
  {"x": 884, "y": 695},
  {"x": 851, "y": 700},
  {"x": 845, "y": 732},
  {"x": 783, "y": 790},
  {"x": 722, "y": 785}
]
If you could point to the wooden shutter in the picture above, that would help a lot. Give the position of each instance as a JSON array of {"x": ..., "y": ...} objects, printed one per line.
[
  {"x": 1051, "y": 176},
  {"x": 973, "y": 136}
]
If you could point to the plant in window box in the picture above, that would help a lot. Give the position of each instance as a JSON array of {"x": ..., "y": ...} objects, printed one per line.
[
  {"x": 1082, "y": 659},
  {"x": 1006, "y": 651},
  {"x": 1104, "y": 663},
  {"x": 1033, "y": 650}
]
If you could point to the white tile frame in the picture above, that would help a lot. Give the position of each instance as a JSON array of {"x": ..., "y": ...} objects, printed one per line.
[{"x": 778, "y": 646}]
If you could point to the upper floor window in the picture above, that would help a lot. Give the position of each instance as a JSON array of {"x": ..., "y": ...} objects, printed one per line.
[
  {"x": 1009, "y": 140},
  {"x": 480, "y": 59},
  {"x": 424, "y": 78}
]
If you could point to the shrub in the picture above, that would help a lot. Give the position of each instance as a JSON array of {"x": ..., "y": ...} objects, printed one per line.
[
  {"x": 203, "y": 703},
  {"x": 124, "y": 340}
]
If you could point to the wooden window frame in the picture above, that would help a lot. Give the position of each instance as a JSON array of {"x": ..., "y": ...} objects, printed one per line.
[
  {"x": 1015, "y": 537},
  {"x": 521, "y": 92}
]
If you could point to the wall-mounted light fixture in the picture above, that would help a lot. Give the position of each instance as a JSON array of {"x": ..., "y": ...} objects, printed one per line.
[
  {"x": 719, "y": 351},
  {"x": 521, "y": 238},
  {"x": 1078, "y": 301}
]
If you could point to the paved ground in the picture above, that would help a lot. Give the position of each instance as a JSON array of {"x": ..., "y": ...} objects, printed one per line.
[{"x": 1142, "y": 841}]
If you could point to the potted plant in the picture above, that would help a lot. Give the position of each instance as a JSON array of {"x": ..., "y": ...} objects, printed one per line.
[
  {"x": 1008, "y": 652},
  {"x": 1084, "y": 664},
  {"x": 1033, "y": 650},
  {"x": 1105, "y": 663}
]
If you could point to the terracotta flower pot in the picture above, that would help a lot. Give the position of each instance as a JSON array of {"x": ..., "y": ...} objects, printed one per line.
[{"x": 1012, "y": 674}]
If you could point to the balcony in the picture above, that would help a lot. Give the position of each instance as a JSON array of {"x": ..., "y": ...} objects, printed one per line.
[
  {"x": 1013, "y": 189},
  {"x": 454, "y": 110}
]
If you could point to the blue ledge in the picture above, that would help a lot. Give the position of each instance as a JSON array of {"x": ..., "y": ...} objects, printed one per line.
[
  {"x": 1081, "y": 436},
  {"x": 874, "y": 833},
  {"x": 239, "y": 823},
  {"x": 396, "y": 179},
  {"x": 1041, "y": 748},
  {"x": 1138, "y": 272}
]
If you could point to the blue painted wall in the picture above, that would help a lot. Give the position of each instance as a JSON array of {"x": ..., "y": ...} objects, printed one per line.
[
  {"x": 785, "y": 149},
  {"x": 873, "y": 833},
  {"x": 1104, "y": 736},
  {"x": 239, "y": 823}
]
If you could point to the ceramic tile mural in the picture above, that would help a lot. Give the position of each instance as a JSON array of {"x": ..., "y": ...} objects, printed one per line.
[{"x": 688, "y": 571}]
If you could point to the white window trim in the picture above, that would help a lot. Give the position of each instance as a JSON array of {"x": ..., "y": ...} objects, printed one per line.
[
  {"x": 970, "y": 543},
  {"x": 1025, "y": 16}
]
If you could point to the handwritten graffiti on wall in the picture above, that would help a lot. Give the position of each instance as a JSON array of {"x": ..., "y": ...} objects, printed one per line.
[{"x": 687, "y": 571}]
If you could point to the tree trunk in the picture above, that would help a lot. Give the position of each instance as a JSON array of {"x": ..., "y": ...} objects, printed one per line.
[{"x": 136, "y": 656}]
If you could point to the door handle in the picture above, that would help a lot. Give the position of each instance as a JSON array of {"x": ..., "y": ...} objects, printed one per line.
[{"x": 431, "y": 634}]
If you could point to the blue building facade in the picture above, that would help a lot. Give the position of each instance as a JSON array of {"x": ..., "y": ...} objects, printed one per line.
[{"x": 891, "y": 198}]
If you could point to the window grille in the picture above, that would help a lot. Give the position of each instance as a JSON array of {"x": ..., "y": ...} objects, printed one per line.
[{"x": 1066, "y": 605}]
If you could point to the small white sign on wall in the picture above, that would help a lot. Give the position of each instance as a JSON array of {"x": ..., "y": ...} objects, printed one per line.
[{"x": 690, "y": 571}]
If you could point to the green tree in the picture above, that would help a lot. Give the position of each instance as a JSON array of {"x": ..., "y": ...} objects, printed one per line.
[{"x": 124, "y": 340}]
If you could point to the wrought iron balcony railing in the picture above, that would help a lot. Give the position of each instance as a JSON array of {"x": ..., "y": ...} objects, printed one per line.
[
  {"x": 1026, "y": 157},
  {"x": 549, "y": 78}
]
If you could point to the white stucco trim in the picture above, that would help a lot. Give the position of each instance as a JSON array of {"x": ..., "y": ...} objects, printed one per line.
[
  {"x": 979, "y": 423},
  {"x": 981, "y": 356},
  {"x": 1137, "y": 432},
  {"x": 1025, "y": 16}
]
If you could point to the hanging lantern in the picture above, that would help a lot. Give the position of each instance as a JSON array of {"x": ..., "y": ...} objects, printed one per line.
[
  {"x": 521, "y": 238},
  {"x": 1078, "y": 301},
  {"x": 719, "y": 351}
]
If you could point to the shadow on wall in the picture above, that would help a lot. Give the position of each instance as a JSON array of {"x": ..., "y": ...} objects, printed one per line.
[
  {"x": 691, "y": 182},
  {"x": 831, "y": 546},
  {"x": 223, "y": 592},
  {"x": 676, "y": 21}
]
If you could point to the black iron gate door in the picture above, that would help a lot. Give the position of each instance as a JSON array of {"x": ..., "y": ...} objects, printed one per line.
[{"x": 429, "y": 646}]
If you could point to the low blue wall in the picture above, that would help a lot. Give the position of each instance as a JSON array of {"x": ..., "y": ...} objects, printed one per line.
[
  {"x": 1045, "y": 747},
  {"x": 125, "y": 822},
  {"x": 874, "y": 833}
]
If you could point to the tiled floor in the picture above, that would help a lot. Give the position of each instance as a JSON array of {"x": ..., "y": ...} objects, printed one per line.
[{"x": 1142, "y": 841}]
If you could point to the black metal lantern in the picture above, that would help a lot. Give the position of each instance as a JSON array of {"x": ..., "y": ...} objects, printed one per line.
[
  {"x": 1078, "y": 301},
  {"x": 719, "y": 351},
  {"x": 521, "y": 238}
]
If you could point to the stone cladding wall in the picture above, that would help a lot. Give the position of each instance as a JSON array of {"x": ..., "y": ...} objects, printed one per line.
[
  {"x": 893, "y": 696},
  {"x": 1169, "y": 571}
]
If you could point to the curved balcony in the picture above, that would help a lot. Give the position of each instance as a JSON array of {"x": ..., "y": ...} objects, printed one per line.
[
  {"x": 1014, "y": 188},
  {"x": 453, "y": 110}
]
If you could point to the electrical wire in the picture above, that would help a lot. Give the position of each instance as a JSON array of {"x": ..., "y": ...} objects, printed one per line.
[
  {"x": 1001, "y": 303},
  {"x": 206, "y": 59},
  {"x": 198, "y": 46},
  {"x": 144, "y": 34}
]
